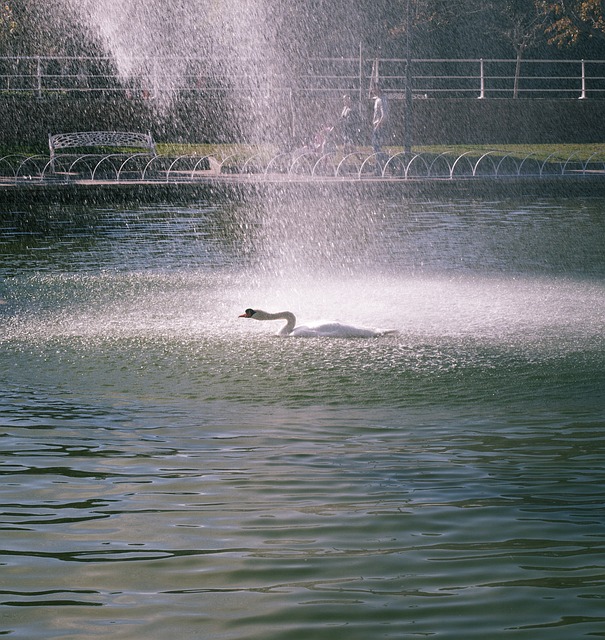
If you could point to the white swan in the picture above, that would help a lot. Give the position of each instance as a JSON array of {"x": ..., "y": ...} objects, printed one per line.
[{"x": 330, "y": 329}]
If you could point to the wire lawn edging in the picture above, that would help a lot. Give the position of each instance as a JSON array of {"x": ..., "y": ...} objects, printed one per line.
[{"x": 359, "y": 164}]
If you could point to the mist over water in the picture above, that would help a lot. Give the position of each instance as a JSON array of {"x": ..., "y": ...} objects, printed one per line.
[
  {"x": 244, "y": 53},
  {"x": 134, "y": 31},
  {"x": 467, "y": 275}
]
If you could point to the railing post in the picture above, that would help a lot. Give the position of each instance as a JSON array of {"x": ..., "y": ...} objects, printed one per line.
[
  {"x": 482, "y": 79},
  {"x": 156, "y": 79},
  {"x": 408, "y": 103},
  {"x": 360, "y": 78},
  {"x": 583, "y": 94},
  {"x": 39, "y": 76},
  {"x": 291, "y": 114}
]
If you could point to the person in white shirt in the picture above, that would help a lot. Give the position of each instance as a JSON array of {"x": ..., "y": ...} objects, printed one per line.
[{"x": 379, "y": 122}]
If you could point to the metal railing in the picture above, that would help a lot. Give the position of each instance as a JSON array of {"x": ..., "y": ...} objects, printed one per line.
[{"x": 431, "y": 78}]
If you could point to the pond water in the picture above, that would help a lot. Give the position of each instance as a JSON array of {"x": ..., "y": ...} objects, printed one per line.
[{"x": 171, "y": 469}]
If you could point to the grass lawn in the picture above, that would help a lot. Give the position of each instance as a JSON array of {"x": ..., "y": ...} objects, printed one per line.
[
  {"x": 554, "y": 152},
  {"x": 235, "y": 152}
]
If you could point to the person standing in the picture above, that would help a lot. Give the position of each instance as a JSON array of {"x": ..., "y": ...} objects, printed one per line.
[
  {"x": 349, "y": 124},
  {"x": 379, "y": 125}
]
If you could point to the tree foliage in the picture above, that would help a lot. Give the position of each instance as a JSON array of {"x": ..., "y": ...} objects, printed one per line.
[
  {"x": 519, "y": 22},
  {"x": 571, "y": 20},
  {"x": 305, "y": 28},
  {"x": 8, "y": 23},
  {"x": 41, "y": 27}
]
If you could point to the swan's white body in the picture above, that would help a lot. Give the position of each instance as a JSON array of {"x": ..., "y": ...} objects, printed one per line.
[{"x": 329, "y": 329}]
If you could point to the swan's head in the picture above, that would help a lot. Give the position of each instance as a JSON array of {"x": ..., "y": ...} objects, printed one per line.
[
  {"x": 288, "y": 316},
  {"x": 249, "y": 313}
]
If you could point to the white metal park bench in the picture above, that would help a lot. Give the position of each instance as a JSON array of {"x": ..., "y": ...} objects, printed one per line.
[{"x": 125, "y": 142}]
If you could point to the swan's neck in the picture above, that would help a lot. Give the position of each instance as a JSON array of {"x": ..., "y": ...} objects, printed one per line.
[
  {"x": 290, "y": 319},
  {"x": 288, "y": 316}
]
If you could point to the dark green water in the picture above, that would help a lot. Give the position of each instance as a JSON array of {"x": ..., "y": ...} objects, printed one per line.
[{"x": 171, "y": 470}]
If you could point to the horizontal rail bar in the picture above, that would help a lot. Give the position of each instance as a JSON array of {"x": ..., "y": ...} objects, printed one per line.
[{"x": 433, "y": 76}]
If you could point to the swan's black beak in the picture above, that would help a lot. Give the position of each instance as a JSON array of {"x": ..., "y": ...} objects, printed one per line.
[{"x": 248, "y": 313}]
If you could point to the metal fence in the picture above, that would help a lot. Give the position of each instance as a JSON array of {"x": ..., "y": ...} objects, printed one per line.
[{"x": 430, "y": 78}]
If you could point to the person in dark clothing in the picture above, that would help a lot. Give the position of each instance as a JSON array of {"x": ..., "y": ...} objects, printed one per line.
[{"x": 349, "y": 124}]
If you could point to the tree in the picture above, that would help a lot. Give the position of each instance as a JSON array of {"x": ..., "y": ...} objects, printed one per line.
[
  {"x": 570, "y": 20},
  {"x": 521, "y": 23}
]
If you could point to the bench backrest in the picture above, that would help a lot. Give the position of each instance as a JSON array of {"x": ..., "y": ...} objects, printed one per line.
[{"x": 80, "y": 139}]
